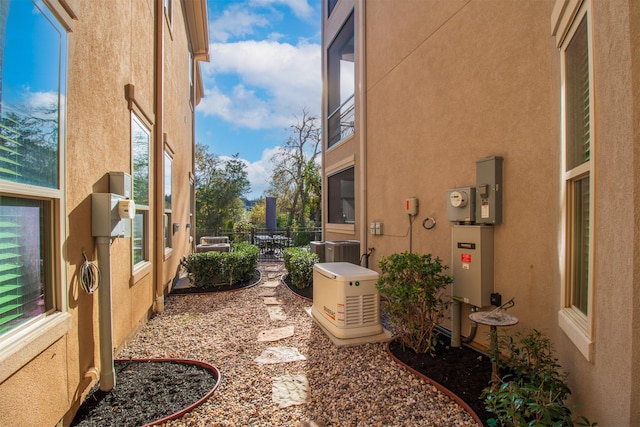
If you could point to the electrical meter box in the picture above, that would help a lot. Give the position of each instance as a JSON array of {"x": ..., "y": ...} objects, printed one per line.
[
  {"x": 120, "y": 183},
  {"x": 108, "y": 212},
  {"x": 489, "y": 190},
  {"x": 472, "y": 263},
  {"x": 461, "y": 205}
]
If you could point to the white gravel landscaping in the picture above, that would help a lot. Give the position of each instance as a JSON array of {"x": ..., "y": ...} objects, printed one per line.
[{"x": 347, "y": 386}]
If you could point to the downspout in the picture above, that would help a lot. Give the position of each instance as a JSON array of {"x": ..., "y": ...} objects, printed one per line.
[
  {"x": 107, "y": 371},
  {"x": 362, "y": 106},
  {"x": 158, "y": 245}
]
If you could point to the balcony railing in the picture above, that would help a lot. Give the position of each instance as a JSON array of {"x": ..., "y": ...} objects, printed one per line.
[{"x": 342, "y": 121}]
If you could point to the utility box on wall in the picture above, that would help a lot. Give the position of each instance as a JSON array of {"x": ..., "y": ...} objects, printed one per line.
[
  {"x": 489, "y": 190},
  {"x": 472, "y": 263}
]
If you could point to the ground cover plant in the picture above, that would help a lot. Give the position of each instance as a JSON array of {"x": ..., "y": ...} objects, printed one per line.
[{"x": 298, "y": 262}]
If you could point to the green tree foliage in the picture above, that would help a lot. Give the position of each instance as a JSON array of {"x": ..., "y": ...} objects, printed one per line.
[
  {"x": 296, "y": 178},
  {"x": 220, "y": 185}
]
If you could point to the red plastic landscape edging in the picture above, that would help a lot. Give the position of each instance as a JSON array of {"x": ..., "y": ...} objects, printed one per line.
[
  {"x": 438, "y": 386},
  {"x": 191, "y": 407}
]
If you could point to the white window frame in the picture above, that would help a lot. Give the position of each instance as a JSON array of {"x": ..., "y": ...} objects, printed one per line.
[
  {"x": 348, "y": 162},
  {"x": 577, "y": 325},
  {"x": 144, "y": 210},
  {"x": 18, "y": 347},
  {"x": 168, "y": 211}
]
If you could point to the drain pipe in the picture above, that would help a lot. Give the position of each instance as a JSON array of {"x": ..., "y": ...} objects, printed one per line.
[
  {"x": 107, "y": 370},
  {"x": 456, "y": 337}
]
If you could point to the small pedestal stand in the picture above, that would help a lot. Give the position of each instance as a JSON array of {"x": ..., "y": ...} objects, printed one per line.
[{"x": 494, "y": 319}]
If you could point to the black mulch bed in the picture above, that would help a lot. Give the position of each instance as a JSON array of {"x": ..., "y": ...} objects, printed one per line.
[
  {"x": 304, "y": 292},
  {"x": 146, "y": 391},
  {"x": 463, "y": 371},
  {"x": 219, "y": 287}
]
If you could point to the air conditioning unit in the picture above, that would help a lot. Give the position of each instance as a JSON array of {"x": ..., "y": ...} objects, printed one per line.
[
  {"x": 342, "y": 251},
  {"x": 345, "y": 299},
  {"x": 318, "y": 248}
]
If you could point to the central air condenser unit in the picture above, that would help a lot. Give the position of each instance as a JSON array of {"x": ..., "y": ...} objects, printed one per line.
[{"x": 345, "y": 299}]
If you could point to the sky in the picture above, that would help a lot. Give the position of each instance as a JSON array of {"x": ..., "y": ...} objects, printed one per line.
[{"x": 265, "y": 68}]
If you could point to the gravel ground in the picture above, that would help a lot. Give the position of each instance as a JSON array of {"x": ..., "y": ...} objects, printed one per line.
[{"x": 349, "y": 386}]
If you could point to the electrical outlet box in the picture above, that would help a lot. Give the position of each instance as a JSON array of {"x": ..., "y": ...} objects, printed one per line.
[
  {"x": 496, "y": 299},
  {"x": 489, "y": 190},
  {"x": 121, "y": 183},
  {"x": 375, "y": 228},
  {"x": 411, "y": 206}
]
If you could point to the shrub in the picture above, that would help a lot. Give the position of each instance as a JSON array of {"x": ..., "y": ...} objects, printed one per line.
[
  {"x": 299, "y": 264},
  {"x": 533, "y": 390},
  {"x": 223, "y": 268},
  {"x": 412, "y": 290}
]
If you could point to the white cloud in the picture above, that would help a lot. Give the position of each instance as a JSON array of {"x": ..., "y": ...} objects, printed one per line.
[
  {"x": 259, "y": 172},
  {"x": 300, "y": 8},
  {"x": 236, "y": 21},
  {"x": 276, "y": 79}
]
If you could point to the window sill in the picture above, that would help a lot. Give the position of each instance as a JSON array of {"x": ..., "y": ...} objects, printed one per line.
[
  {"x": 140, "y": 271},
  {"x": 341, "y": 228},
  {"x": 26, "y": 345},
  {"x": 576, "y": 334}
]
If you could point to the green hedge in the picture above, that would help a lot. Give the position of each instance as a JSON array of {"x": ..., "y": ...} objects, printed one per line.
[
  {"x": 299, "y": 264},
  {"x": 223, "y": 268}
]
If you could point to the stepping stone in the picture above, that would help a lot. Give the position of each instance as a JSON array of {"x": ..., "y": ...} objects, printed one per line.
[
  {"x": 276, "y": 312},
  {"x": 289, "y": 390},
  {"x": 269, "y": 284},
  {"x": 272, "y": 301},
  {"x": 279, "y": 355},
  {"x": 267, "y": 292},
  {"x": 275, "y": 334}
]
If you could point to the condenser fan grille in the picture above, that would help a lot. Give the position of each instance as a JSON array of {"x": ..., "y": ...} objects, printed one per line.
[{"x": 361, "y": 310}]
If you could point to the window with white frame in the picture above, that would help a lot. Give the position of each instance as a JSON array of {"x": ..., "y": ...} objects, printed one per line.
[
  {"x": 341, "y": 84},
  {"x": 31, "y": 142},
  {"x": 168, "y": 10},
  {"x": 140, "y": 143},
  {"x": 168, "y": 171},
  {"x": 341, "y": 197},
  {"x": 576, "y": 313}
]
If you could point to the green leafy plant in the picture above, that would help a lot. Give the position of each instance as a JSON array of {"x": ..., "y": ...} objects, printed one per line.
[
  {"x": 299, "y": 264},
  {"x": 412, "y": 290},
  {"x": 533, "y": 389},
  {"x": 223, "y": 268}
]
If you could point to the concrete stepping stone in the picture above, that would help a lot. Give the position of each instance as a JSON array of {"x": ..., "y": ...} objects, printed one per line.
[
  {"x": 267, "y": 292},
  {"x": 289, "y": 390},
  {"x": 276, "y": 312},
  {"x": 270, "y": 284},
  {"x": 272, "y": 301},
  {"x": 279, "y": 355},
  {"x": 276, "y": 334}
]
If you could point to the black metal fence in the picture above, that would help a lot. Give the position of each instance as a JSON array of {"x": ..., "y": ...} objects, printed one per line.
[{"x": 270, "y": 242}]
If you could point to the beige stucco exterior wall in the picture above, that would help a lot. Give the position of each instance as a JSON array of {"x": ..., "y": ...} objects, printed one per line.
[
  {"x": 111, "y": 45},
  {"x": 450, "y": 82}
]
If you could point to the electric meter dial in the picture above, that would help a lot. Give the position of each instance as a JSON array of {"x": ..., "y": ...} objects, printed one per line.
[{"x": 458, "y": 199}]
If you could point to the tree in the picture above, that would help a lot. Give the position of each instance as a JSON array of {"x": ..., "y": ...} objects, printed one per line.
[
  {"x": 220, "y": 184},
  {"x": 295, "y": 179}
]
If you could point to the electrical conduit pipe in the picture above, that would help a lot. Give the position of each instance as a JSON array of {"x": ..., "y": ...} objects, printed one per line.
[
  {"x": 456, "y": 337},
  {"x": 107, "y": 370}
]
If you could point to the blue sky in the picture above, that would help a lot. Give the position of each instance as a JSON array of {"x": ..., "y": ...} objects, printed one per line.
[{"x": 264, "y": 69}]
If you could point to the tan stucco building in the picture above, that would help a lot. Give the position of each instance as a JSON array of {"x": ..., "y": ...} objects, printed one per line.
[
  {"x": 418, "y": 91},
  {"x": 121, "y": 80}
]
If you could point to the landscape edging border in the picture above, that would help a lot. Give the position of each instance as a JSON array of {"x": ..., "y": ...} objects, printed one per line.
[
  {"x": 437, "y": 385},
  {"x": 194, "y": 405}
]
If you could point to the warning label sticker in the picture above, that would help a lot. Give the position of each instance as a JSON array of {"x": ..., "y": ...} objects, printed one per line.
[{"x": 465, "y": 258}]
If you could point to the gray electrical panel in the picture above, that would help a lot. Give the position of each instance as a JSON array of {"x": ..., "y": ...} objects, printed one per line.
[
  {"x": 489, "y": 190},
  {"x": 472, "y": 263},
  {"x": 461, "y": 205},
  {"x": 120, "y": 183}
]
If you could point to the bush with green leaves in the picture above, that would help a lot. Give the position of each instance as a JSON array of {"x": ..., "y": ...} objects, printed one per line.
[
  {"x": 533, "y": 389},
  {"x": 412, "y": 288},
  {"x": 223, "y": 268},
  {"x": 299, "y": 264}
]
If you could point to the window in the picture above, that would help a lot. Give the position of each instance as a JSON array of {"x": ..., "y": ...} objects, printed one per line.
[
  {"x": 140, "y": 141},
  {"x": 31, "y": 139},
  {"x": 332, "y": 5},
  {"x": 341, "y": 84},
  {"x": 577, "y": 169},
  {"x": 340, "y": 195},
  {"x": 168, "y": 10},
  {"x": 168, "y": 162},
  {"x": 192, "y": 91}
]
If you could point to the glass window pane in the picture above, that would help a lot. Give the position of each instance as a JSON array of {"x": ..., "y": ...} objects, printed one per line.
[
  {"x": 168, "y": 165},
  {"x": 23, "y": 261},
  {"x": 580, "y": 285},
  {"x": 341, "y": 83},
  {"x": 32, "y": 48},
  {"x": 577, "y": 98},
  {"x": 139, "y": 246},
  {"x": 341, "y": 201},
  {"x": 140, "y": 139}
]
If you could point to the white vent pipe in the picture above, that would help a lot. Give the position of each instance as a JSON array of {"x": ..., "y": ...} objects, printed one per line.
[{"x": 107, "y": 371}]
